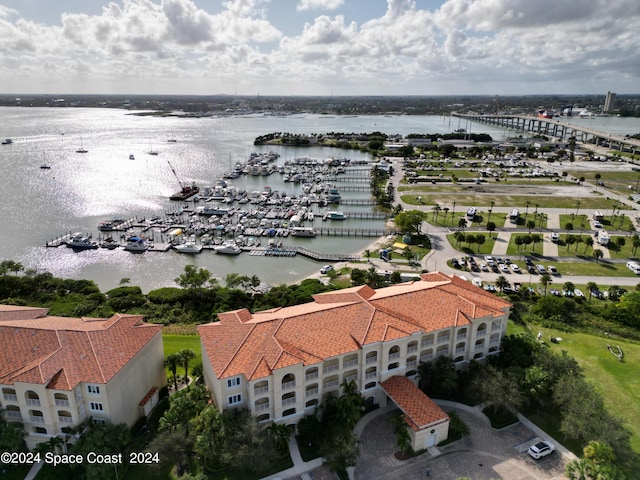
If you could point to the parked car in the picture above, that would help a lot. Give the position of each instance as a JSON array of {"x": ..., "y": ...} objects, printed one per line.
[
  {"x": 531, "y": 269},
  {"x": 528, "y": 262},
  {"x": 555, "y": 237},
  {"x": 504, "y": 268},
  {"x": 541, "y": 449},
  {"x": 541, "y": 269},
  {"x": 552, "y": 270},
  {"x": 485, "y": 267},
  {"x": 488, "y": 259},
  {"x": 597, "y": 224},
  {"x": 578, "y": 293},
  {"x": 455, "y": 263},
  {"x": 515, "y": 268},
  {"x": 326, "y": 269}
]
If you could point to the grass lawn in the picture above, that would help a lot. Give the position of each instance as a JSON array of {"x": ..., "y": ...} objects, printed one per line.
[
  {"x": 446, "y": 195},
  {"x": 485, "y": 249},
  {"x": 175, "y": 343},
  {"x": 618, "y": 382},
  {"x": 578, "y": 221}
]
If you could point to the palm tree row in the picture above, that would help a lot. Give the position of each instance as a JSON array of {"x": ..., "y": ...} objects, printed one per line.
[{"x": 181, "y": 358}]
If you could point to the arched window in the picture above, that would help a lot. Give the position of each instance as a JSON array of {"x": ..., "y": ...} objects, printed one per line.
[{"x": 288, "y": 381}]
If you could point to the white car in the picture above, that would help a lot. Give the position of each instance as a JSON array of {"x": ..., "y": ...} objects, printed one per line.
[
  {"x": 326, "y": 269},
  {"x": 555, "y": 237},
  {"x": 515, "y": 268},
  {"x": 552, "y": 270},
  {"x": 504, "y": 267},
  {"x": 541, "y": 449},
  {"x": 597, "y": 224}
]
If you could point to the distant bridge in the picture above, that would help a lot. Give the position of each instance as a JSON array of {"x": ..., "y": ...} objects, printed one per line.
[{"x": 555, "y": 128}]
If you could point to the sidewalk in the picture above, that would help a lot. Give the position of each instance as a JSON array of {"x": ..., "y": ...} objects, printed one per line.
[{"x": 300, "y": 468}]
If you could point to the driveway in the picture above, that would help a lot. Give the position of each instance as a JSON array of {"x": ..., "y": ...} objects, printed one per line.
[{"x": 485, "y": 454}]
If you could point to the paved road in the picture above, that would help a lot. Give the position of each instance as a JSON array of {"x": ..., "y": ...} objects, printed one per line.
[{"x": 485, "y": 454}]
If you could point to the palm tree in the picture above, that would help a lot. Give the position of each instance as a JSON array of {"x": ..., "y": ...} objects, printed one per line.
[
  {"x": 545, "y": 280},
  {"x": 502, "y": 283},
  {"x": 172, "y": 361},
  {"x": 588, "y": 242},
  {"x": 597, "y": 254},
  {"x": 531, "y": 224},
  {"x": 491, "y": 226},
  {"x": 436, "y": 210},
  {"x": 186, "y": 355},
  {"x": 490, "y": 210},
  {"x": 462, "y": 223},
  {"x": 591, "y": 286}
]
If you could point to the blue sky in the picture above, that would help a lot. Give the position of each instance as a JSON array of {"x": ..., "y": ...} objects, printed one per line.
[{"x": 319, "y": 47}]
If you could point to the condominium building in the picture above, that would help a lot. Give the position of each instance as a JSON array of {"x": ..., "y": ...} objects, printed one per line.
[
  {"x": 56, "y": 372},
  {"x": 279, "y": 363}
]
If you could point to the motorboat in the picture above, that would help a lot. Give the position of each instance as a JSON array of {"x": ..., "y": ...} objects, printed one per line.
[
  {"x": 303, "y": 232},
  {"x": 333, "y": 215},
  {"x": 132, "y": 156},
  {"x": 188, "y": 247},
  {"x": 136, "y": 244},
  {"x": 79, "y": 241},
  {"x": 227, "y": 248}
]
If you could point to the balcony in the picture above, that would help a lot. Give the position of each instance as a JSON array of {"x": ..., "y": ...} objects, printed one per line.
[
  {"x": 479, "y": 348},
  {"x": 288, "y": 401},
  {"x": 33, "y": 402},
  {"x": 442, "y": 353},
  {"x": 427, "y": 357},
  {"x": 461, "y": 336},
  {"x": 426, "y": 343},
  {"x": 350, "y": 363},
  {"x": 311, "y": 392},
  {"x": 331, "y": 384},
  {"x": 10, "y": 397},
  {"x": 62, "y": 403},
  {"x": 36, "y": 419},
  {"x": 394, "y": 356},
  {"x": 262, "y": 407},
  {"x": 311, "y": 376},
  {"x": 495, "y": 327},
  {"x": 371, "y": 360},
  {"x": 371, "y": 375},
  {"x": 261, "y": 390},
  {"x": 413, "y": 348},
  {"x": 331, "y": 368},
  {"x": 65, "y": 420},
  {"x": 460, "y": 349},
  {"x": 444, "y": 338},
  {"x": 494, "y": 341},
  {"x": 351, "y": 378},
  {"x": 288, "y": 385},
  {"x": 13, "y": 414},
  {"x": 412, "y": 364}
]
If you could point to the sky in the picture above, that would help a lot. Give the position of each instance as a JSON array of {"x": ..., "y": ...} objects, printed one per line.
[{"x": 320, "y": 47}]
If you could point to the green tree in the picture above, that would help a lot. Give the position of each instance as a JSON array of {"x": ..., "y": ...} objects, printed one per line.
[
  {"x": 193, "y": 277},
  {"x": 502, "y": 283},
  {"x": 172, "y": 362},
  {"x": 597, "y": 254},
  {"x": 491, "y": 226},
  {"x": 591, "y": 287},
  {"x": 530, "y": 225},
  {"x": 588, "y": 242},
  {"x": 500, "y": 389},
  {"x": 545, "y": 280},
  {"x": 11, "y": 435},
  {"x": 186, "y": 355},
  {"x": 401, "y": 431},
  {"x": 410, "y": 221}
]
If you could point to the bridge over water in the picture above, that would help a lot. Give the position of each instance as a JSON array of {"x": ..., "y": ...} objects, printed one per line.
[{"x": 554, "y": 128}]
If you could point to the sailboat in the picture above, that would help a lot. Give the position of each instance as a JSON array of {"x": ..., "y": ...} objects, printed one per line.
[
  {"x": 152, "y": 151},
  {"x": 81, "y": 149}
]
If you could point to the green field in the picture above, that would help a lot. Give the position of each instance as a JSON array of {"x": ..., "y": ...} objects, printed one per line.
[
  {"x": 175, "y": 343},
  {"x": 618, "y": 382}
]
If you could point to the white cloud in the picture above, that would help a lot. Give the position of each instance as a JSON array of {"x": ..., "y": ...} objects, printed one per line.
[{"x": 319, "y": 4}]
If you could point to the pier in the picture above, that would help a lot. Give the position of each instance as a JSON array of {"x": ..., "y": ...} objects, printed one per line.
[{"x": 556, "y": 128}]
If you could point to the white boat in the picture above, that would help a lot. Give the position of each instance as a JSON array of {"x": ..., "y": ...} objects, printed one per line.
[
  {"x": 212, "y": 210},
  {"x": 136, "y": 244},
  {"x": 81, "y": 242},
  {"x": 303, "y": 232},
  {"x": 132, "y": 157},
  {"x": 81, "y": 149},
  {"x": 188, "y": 247},
  {"x": 333, "y": 215},
  {"x": 228, "y": 248}
]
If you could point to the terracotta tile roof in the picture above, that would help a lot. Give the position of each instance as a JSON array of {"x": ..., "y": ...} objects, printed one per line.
[
  {"x": 62, "y": 352},
  {"x": 340, "y": 322},
  {"x": 419, "y": 410}
]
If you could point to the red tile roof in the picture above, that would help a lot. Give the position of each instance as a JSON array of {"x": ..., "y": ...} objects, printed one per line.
[
  {"x": 62, "y": 352},
  {"x": 340, "y": 322},
  {"x": 419, "y": 410}
]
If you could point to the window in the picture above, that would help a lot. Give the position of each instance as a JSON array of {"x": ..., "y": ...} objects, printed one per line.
[
  {"x": 233, "y": 382},
  {"x": 96, "y": 407},
  {"x": 235, "y": 399},
  {"x": 93, "y": 389}
]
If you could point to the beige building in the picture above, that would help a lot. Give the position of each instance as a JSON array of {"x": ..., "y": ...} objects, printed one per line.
[
  {"x": 56, "y": 372},
  {"x": 280, "y": 363}
]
